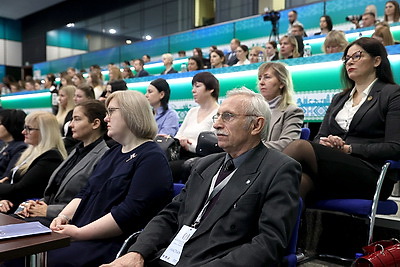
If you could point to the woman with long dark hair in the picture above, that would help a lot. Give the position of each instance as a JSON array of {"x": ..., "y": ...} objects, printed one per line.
[{"x": 359, "y": 132}]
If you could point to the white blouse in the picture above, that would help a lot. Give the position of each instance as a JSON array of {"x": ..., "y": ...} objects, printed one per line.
[{"x": 346, "y": 114}]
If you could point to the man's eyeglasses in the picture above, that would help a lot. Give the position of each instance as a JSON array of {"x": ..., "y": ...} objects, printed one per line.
[
  {"x": 110, "y": 111},
  {"x": 356, "y": 56},
  {"x": 227, "y": 116},
  {"x": 29, "y": 129}
]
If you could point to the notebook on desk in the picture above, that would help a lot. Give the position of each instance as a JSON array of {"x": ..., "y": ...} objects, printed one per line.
[{"x": 22, "y": 229}]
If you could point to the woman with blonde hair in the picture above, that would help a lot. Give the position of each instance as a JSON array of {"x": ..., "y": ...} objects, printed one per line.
[
  {"x": 289, "y": 47},
  {"x": 65, "y": 104},
  {"x": 383, "y": 35},
  {"x": 124, "y": 191},
  {"x": 96, "y": 82},
  {"x": 276, "y": 86},
  {"x": 335, "y": 42},
  {"x": 114, "y": 74},
  {"x": 31, "y": 173}
]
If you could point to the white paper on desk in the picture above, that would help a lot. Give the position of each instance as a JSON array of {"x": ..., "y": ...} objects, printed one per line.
[{"x": 22, "y": 229}]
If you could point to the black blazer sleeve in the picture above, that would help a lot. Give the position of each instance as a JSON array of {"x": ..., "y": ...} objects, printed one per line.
[{"x": 34, "y": 181}]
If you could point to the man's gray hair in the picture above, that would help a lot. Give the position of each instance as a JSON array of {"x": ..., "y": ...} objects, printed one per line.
[{"x": 254, "y": 104}]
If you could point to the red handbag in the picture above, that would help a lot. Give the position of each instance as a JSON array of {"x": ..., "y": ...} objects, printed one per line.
[{"x": 382, "y": 253}]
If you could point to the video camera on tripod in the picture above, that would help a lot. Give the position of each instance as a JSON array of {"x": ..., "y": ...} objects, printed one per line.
[{"x": 272, "y": 16}]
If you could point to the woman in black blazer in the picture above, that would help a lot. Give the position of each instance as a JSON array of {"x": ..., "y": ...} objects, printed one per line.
[{"x": 360, "y": 130}]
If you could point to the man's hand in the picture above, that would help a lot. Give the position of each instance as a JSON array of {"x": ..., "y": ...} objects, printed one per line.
[{"x": 131, "y": 259}]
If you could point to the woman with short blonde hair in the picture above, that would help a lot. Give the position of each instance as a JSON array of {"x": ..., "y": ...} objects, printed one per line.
[{"x": 335, "y": 42}]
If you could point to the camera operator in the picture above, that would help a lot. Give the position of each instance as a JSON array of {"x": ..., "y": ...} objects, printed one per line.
[{"x": 367, "y": 20}]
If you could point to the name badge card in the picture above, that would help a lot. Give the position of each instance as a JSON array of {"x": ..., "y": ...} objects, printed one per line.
[{"x": 174, "y": 250}]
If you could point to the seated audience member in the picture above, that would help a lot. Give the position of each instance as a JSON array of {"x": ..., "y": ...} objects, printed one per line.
[
  {"x": 298, "y": 30},
  {"x": 138, "y": 65},
  {"x": 65, "y": 105},
  {"x": 234, "y": 226},
  {"x": 114, "y": 74},
  {"x": 11, "y": 127},
  {"x": 88, "y": 126},
  {"x": 289, "y": 47},
  {"x": 276, "y": 86},
  {"x": 195, "y": 63},
  {"x": 325, "y": 24},
  {"x": 197, "y": 52},
  {"x": 371, "y": 9},
  {"x": 392, "y": 12},
  {"x": 335, "y": 42},
  {"x": 71, "y": 71},
  {"x": 255, "y": 53},
  {"x": 127, "y": 73},
  {"x": 30, "y": 85},
  {"x": 217, "y": 59},
  {"x": 38, "y": 85},
  {"x": 83, "y": 93},
  {"x": 359, "y": 132},
  {"x": 367, "y": 20},
  {"x": 292, "y": 18},
  {"x": 231, "y": 58},
  {"x": 115, "y": 86},
  {"x": 96, "y": 82},
  {"x": 112, "y": 87},
  {"x": 125, "y": 64},
  {"x": 167, "y": 119},
  {"x": 205, "y": 93},
  {"x": 78, "y": 79},
  {"x": 181, "y": 53},
  {"x": 146, "y": 58},
  {"x": 242, "y": 53},
  {"x": 168, "y": 60},
  {"x": 32, "y": 171},
  {"x": 124, "y": 191},
  {"x": 271, "y": 51},
  {"x": 383, "y": 35},
  {"x": 65, "y": 79},
  {"x": 199, "y": 119}
]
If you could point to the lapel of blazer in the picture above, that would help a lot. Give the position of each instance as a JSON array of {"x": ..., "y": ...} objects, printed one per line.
[
  {"x": 200, "y": 189},
  {"x": 335, "y": 110},
  {"x": 372, "y": 98},
  {"x": 79, "y": 166},
  {"x": 242, "y": 179},
  {"x": 276, "y": 115},
  {"x": 58, "y": 169}
]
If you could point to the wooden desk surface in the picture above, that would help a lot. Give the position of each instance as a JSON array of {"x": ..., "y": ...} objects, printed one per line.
[{"x": 24, "y": 246}]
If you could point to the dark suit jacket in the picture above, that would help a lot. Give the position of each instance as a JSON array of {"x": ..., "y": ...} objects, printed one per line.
[
  {"x": 10, "y": 156},
  {"x": 142, "y": 73},
  {"x": 374, "y": 132},
  {"x": 231, "y": 60},
  {"x": 74, "y": 181},
  {"x": 251, "y": 222},
  {"x": 172, "y": 70}
]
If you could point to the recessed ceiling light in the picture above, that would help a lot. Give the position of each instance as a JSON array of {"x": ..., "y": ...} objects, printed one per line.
[
  {"x": 70, "y": 25},
  {"x": 112, "y": 31}
]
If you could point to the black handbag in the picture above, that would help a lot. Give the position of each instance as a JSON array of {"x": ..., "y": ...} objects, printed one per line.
[
  {"x": 170, "y": 146},
  {"x": 207, "y": 143}
]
